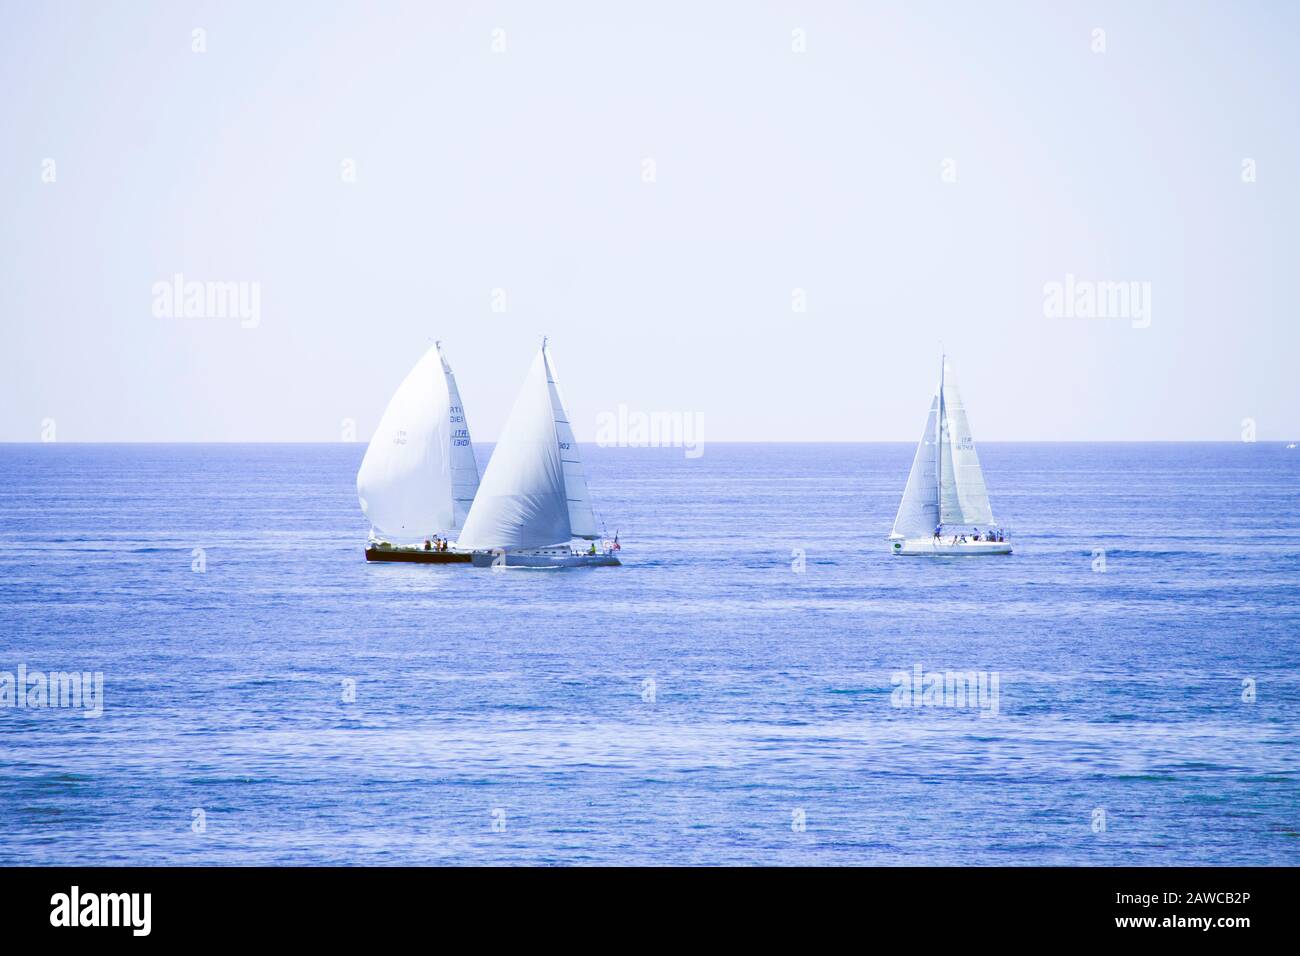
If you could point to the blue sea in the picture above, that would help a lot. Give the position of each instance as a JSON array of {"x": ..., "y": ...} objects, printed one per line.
[{"x": 725, "y": 697}]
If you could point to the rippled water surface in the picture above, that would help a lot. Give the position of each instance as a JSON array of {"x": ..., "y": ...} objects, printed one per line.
[{"x": 510, "y": 717}]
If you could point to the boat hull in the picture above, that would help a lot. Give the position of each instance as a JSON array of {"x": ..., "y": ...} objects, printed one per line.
[
  {"x": 931, "y": 547},
  {"x": 417, "y": 555},
  {"x": 544, "y": 558}
]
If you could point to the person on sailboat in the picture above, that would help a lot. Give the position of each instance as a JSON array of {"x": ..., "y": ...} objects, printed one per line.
[
  {"x": 419, "y": 470},
  {"x": 938, "y": 531}
]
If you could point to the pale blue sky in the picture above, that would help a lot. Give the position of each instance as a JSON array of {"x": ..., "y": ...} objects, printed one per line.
[{"x": 776, "y": 170}]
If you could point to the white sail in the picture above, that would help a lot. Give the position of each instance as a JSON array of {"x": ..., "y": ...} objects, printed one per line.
[
  {"x": 464, "y": 469},
  {"x": 582, "y": 517},
  {"x": 414, "y": 469},
  {"x": 946, "y": 484},
  {"x": 918, "y": 513},
  {"x": 964, "y": 497},
  {"x": 522, "y": 501}
]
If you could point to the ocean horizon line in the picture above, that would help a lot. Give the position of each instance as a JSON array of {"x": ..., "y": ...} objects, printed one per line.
[{"x": 829, "y": 441}]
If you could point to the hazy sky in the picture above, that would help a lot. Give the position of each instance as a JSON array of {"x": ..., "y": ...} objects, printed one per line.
[{"x": 774, "y": 170}]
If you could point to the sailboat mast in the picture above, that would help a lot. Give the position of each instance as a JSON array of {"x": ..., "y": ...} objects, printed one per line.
[{"x": 938, "y": 446}]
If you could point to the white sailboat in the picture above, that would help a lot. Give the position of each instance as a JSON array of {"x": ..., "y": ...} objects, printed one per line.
[
  {"x": 419, "y": 477},
  {"x": 945, "y": 508},
  {"x": 533, "y": 500}
]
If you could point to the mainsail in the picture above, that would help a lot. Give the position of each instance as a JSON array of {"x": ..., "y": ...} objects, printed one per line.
[
  {"x": 946, "y": 484},
  {"x": 582, "y": 517},
  {"x": 533, "y": 492},
  {"x": 419, "y": 475},
  {"x": 965, "y": 498}
]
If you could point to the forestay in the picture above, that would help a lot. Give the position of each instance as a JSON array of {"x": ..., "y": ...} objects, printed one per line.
[
  {"x": 521, "y": 501},
  {"x": 918, "y": 513}
]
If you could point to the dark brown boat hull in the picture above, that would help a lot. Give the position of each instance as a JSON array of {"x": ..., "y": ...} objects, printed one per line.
[{"x": 417, "y": 556}]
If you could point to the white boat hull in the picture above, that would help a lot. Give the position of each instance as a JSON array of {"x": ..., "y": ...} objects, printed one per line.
[
  {"x": 560, "y": 557},
  {"x": 944, "y": 547}
]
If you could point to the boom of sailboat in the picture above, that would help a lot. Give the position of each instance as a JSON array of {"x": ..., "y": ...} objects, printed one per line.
[{"x": 419, "y": 482}]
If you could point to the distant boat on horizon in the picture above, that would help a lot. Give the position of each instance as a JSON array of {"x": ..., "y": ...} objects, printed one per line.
[
  {"x": 419, "y": 477},
  {"x": 946, "y": 503},
  {"x": 533, "y": 501}
]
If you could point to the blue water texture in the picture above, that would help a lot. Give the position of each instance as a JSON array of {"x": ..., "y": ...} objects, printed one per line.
[{"x": 723, "y": 698}]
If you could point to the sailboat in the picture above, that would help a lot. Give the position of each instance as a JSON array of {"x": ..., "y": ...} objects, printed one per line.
[
  {"x": 533, "y": 501},
  {"x": 946, "y": 503},
  {"x": 418, "y": 478}
]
